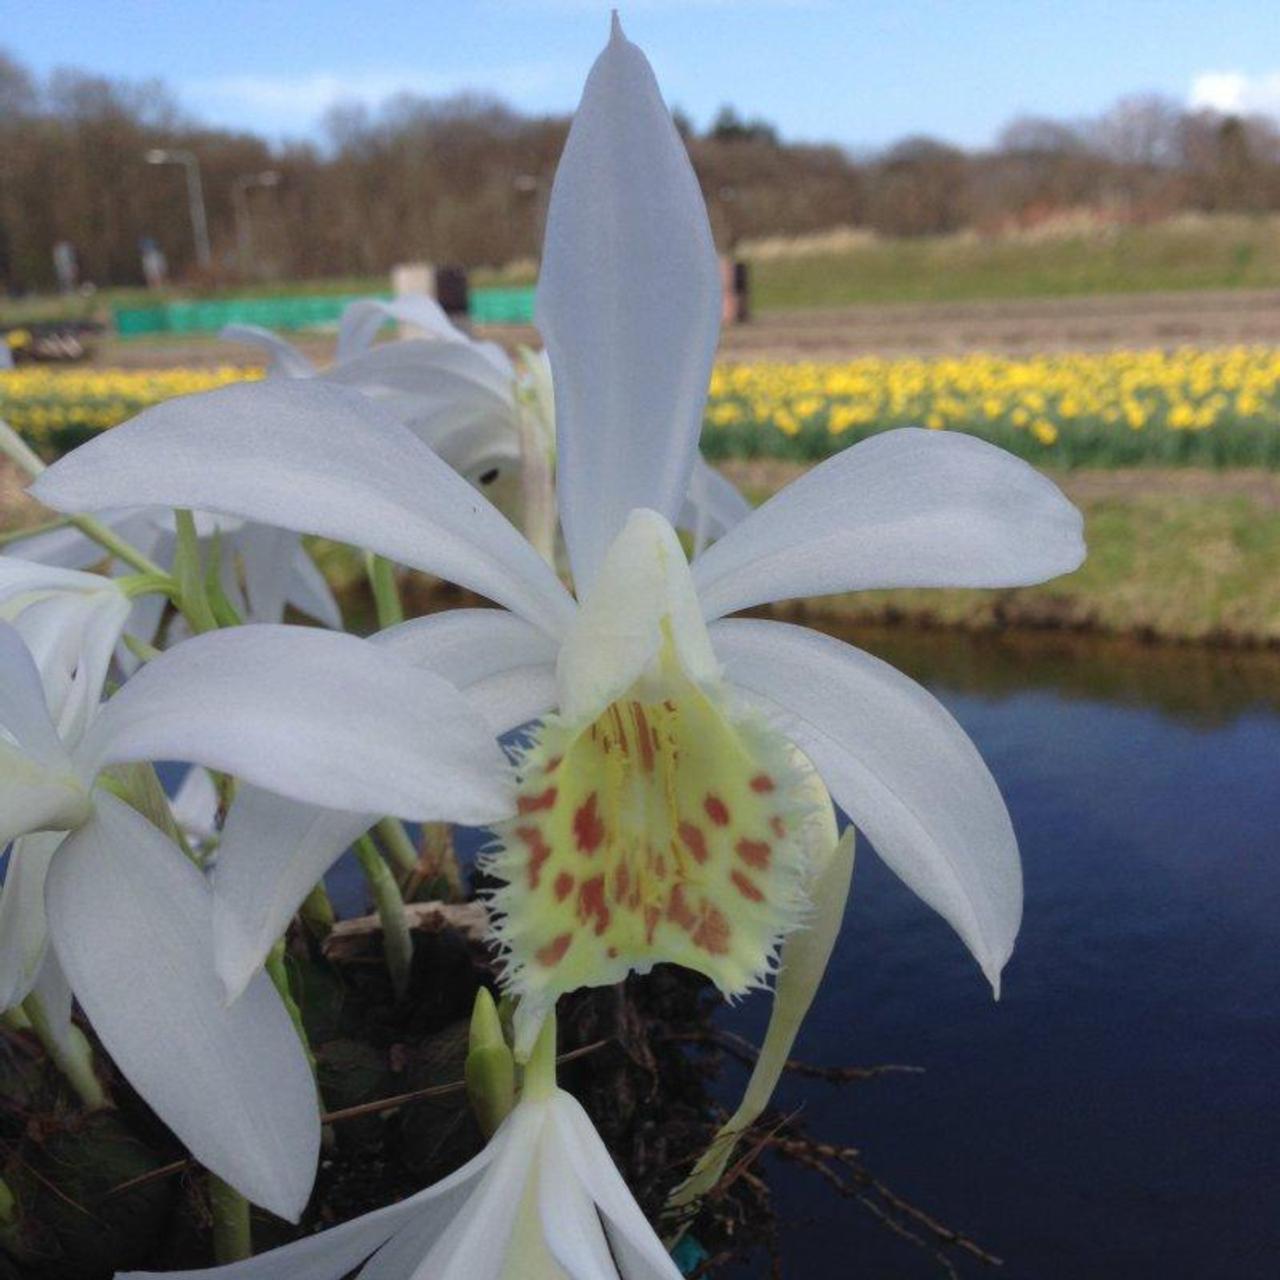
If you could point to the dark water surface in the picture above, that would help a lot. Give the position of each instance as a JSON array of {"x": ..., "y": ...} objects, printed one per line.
[{"x": 1115, "y": 1115}]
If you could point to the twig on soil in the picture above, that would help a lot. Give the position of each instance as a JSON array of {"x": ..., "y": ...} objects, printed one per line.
[
  {"x": 349, "y": 1113},
  {"x": 742, "y": 1049}
]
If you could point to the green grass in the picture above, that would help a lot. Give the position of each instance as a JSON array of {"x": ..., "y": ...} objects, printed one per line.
[{"x": 1184, "y": 254}]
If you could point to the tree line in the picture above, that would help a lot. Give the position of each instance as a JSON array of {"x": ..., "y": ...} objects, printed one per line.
[{"x": 466, "y": 180}]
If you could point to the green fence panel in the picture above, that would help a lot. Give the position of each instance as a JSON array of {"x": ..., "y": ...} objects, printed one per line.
[{"x": 315, "y": 311}]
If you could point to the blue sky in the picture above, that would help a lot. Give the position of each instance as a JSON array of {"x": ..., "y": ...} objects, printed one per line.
[{"x": 861, "y": 74}]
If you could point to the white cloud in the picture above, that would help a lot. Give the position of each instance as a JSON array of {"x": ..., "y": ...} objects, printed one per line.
[
  {"x": 289, "y": 103},
  {"x": 1236, "y": 92}
]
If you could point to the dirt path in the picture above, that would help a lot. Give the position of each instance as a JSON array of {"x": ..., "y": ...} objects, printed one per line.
[{"x": 1022, "y": 327}]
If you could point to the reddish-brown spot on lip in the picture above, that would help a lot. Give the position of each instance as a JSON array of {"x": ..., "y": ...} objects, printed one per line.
[
  {"x": 746, "y": 887},
  {"x": 539, "y": 852},
  {"x": 777, "y": 826},
  {"x": 563, "y": 886},
  {"x": 716, "y": 809},
  {"x": 693, "y": 840},
  {"x": 679, "y": 911},
  {"x": 713, "y": 932},
  {"x": 621, "y": 882},
  {"x": 591, "y": 903},
  {"x": 553, "y": 764},
  {"x": 588, "y": 829},
  {"x": 554, "y": 951},
  {"x": 762, "y": 783},
  {"x": 532, "y": 804},
  {"x": 755, "y": 853}
]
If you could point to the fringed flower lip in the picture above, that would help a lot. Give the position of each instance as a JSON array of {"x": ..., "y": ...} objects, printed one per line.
[{"x": 629, "y": 304}]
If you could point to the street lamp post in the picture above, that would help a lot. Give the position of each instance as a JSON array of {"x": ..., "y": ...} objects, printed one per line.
[
  {"x": 240, "y": 202},
  {"x": 195, "y": 197}
]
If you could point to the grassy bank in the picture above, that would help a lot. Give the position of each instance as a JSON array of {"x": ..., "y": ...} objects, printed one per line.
[{"x": 1185, "y": 253}]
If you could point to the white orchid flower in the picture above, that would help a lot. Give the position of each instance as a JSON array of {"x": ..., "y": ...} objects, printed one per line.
[
  {"x": 662, "y": 803},
  {"x": 487, "y": 417},
  {"x": 296, "y": 710},
  {"x": 542, "y": 1201}
]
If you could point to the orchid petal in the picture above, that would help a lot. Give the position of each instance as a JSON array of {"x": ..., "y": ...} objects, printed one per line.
[
  {"x": 283, "y": 358},
  {"x": 907, "y": 508},
  {"x": 594, "y": 1168},
  {"x": 273, "y": 852},
  {"x": 40, "y": 788},
  {"x": 316, "y": 458},
  {"x": 195, "y": 805},
  {"x": 571, "y": 1227},
  {"x": 361, "y": 321},
  {"x": 130, "y": 919},
  {"x": 504, "y": 666},
  {"x": 476, "y": 1244},
  {"x": 712, "y": 506},
  {"x": 310, "y": 593},
  {"x": 332, "y": 1254},
  {"x": 435, "y": 1209},
  {"x": 24, "y": 933},
  {"x": 433, "y": 371},
  {"x": 897, "y": 762},
  {"x": 629, "y": 306},
  {"x": 315, "y": 715},
  {"x": 267, "y": 556}
]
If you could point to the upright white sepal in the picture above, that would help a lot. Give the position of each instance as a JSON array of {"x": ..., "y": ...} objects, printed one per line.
[{"x": 629, "y": 307}]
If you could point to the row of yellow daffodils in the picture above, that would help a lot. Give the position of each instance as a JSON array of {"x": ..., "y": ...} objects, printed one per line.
[
  {"x": 1107, "y": 408},
  {"x": 1113, "y": 408},
  {"x": 56, "y": 408}
]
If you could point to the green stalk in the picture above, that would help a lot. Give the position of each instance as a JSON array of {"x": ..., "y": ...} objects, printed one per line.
[
  {"x": 279, "y": 976},
  {"x": 232, "y": 1237},
  {"x": 71, "y": 1054},
  {"x": 397, "y": 945},
  {"x": 193, "y": 596},
  {"x": 317, "y": 912},
  {"x": 395, "y": 840},
  {"x": 111, "y": 541},
  {"x": 386, "y": 592}
]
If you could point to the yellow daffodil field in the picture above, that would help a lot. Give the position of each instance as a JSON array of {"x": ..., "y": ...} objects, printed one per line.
[
  {"x": 1212, "y": 407},
  {"x": 57, "y": 409},
  {"x": 1208, "y": 407}
]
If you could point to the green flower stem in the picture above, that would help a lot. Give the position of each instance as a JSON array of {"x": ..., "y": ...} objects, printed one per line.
[
  {"x": 111, "y": 541},
  {"x": 19, "y": 452},
  {"x": 317, "y": 913},
  {"x": 71, "y": 1054},
  {"x": 193, "y": 596},
  {"x": 279, "y": 976},
  {"x": 232, "y": 1238},
  {"x": 386, "y": 592},
  {"x": 397, "y": 945},
  {"x": 395, "y": 839}
]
